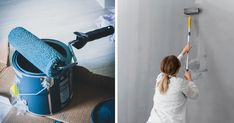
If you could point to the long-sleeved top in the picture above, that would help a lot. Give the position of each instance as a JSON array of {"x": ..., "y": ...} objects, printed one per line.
[{"x": 171, "y": 106}]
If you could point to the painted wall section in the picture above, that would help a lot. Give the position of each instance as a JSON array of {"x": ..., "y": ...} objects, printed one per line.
[{"x": 152, "y": 29}]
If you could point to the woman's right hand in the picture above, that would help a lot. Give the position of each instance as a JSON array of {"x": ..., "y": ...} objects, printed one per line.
[
  {"x": 186, "y": 48},
  {"x": 187, "y": 75}
]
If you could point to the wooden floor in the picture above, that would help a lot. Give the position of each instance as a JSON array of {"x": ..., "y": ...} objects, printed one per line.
[{"x": 58, "y": 19}]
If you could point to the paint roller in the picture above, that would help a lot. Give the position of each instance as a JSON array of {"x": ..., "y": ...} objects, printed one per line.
[
  {"x": 40, "y": 54},
  {"x": 190, "y": 12},
  {"x": 43, "y": 56}
]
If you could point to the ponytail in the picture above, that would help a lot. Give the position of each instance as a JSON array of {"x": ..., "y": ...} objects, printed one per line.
[
  {"x": 169, "y": 66},
  {"x": 163, "y": 84}
]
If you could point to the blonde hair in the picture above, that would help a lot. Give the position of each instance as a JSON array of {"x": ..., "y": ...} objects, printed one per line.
[{"x": 169, "y": 66}]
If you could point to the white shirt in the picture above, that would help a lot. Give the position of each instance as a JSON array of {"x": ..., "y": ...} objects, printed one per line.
[{"x": 171, "y": 106}]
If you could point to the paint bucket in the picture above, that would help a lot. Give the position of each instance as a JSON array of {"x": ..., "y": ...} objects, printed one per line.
[
  {"x": 104, "y": 112},
  {"x": 41, "y": 94}
]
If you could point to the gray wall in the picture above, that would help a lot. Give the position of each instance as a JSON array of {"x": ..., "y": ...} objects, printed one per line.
[{"x": 148, "y": 30}]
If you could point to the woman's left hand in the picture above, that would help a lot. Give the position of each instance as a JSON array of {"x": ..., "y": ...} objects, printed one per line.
[{"x": 187, "y": 75}]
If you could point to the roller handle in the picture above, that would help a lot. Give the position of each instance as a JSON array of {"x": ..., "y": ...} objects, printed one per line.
[
  {"x": 83, "y": 38},
  {"x": 99, "y": 33},
  {"x": 189, "y": 19},
  {"x": 187, "y": 60}
]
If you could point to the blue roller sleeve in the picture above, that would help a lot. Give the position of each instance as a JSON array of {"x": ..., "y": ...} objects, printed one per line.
[{"x": 40, "y": 54}]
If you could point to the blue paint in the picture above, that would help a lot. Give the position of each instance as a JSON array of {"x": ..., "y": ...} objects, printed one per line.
[{"x": 104, "y": 112}]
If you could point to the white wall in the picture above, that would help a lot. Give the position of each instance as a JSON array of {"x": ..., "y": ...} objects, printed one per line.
[{"x": 152, "y": 29}]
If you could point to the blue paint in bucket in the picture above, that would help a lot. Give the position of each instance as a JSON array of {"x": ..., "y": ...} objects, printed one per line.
[
  {"x": 104, "y": 112},
  {"x": 42, "y": 101}
]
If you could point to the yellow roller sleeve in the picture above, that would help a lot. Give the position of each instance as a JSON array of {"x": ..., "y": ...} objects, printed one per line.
[{"x": 189, "y": 21}]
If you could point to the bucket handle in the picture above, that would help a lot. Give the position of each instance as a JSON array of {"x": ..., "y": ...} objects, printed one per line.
[
  {"x": 84, "y": 38},
  {"x": 32, "y": 94},
  {"x": 45, "y": 84},
  {"x": 73, "y": 57}
]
